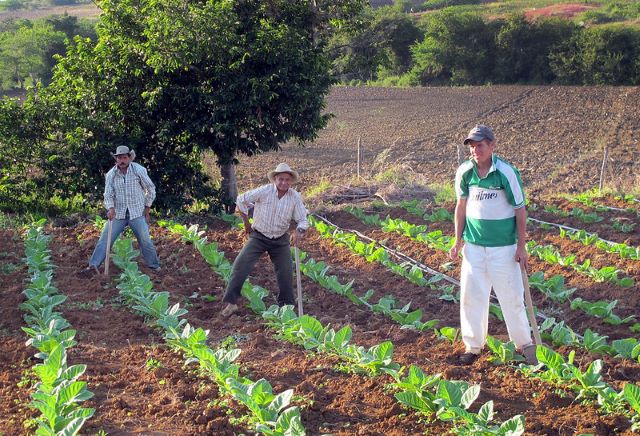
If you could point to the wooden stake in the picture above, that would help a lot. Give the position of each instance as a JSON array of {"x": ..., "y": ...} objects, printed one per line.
[
  {"x": 604, "y": 162},
  {"x": 358, "y": 158},
  {"x": 460, "y": 153},
  {"x": 529, "y": 304},
  {"x": 298, "y": 280},
  {"x": 106, "y": 257}
]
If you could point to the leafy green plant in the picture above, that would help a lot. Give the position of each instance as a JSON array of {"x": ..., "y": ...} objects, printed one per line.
[
  {"x": 503, "y": 352},
  {"x": 448, "y": 333},
  {"x": 622, "y": 226},
  {"x": 601, "y": 309}
]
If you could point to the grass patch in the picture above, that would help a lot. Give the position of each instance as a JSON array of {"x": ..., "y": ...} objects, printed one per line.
[
  {"x": 323, "y": 186},
  {"x": 445, "y": 193}
]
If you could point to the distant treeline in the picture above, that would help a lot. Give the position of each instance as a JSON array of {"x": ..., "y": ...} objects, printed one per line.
[
  {"x": 449, "y": 47},
  {"x": 28, "y": 48},
  {"x": 29, "y": 4}
]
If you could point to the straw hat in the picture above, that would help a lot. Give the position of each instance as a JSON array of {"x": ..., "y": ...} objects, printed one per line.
[
  {"x": 123, "y": 149},
  {"x": 283, "y": 168}
]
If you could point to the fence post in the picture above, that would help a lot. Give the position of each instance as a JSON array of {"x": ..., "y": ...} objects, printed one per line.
[
  {"x": 604, "y": 162},
  {"x": 358, "y": 158}
]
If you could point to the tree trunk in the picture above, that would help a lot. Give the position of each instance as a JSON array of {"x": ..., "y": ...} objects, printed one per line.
[{"x": 229, "y": 186}]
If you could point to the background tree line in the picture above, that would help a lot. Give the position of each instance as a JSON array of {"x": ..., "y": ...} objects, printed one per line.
[
  {"x": 175, "y": 80},
  {"x": 12, "y": 5},
  {"x": 28, "y": 49},
  {"x": 449, "y": 47}
]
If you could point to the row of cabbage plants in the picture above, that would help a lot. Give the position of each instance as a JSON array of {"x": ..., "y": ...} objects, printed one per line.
[
  {"x": 269, "y": 413},
  {"x": 588, "y": 386},
  {"x": 59, "y": 392},
  {"x": 555, "y": 331},
  {"x": 452, "y": 399}
]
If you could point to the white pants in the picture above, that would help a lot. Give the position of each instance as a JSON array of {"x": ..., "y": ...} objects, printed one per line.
[{"x": 483, "y": 268}]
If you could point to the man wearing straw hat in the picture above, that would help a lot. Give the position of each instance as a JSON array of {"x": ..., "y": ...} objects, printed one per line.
[
  {"x": 274, "y": 206},
  {"x": 128, "y": 195}
]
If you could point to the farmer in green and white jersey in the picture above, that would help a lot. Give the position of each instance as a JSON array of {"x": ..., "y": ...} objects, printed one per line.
[{"x": 491, "y": 219}]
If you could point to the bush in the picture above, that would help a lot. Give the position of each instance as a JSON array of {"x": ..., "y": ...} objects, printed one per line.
[
  {"x": 458, "y": 49},
  {"x": 599, "y": 56}
]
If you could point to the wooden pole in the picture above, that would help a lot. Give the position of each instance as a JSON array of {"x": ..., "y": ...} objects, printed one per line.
[
  {"x": 358, "y": 158},
  {"x": 106, "y": 257},
  {"x": 298, "y": 280},
  {"x": 460, "y": 153},
  {"x": 604, "y": 162},
  {"x": 529, "y": 303}
]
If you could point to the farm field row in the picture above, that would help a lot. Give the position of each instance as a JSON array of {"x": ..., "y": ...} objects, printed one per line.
[{"x": 125, "y": 357}]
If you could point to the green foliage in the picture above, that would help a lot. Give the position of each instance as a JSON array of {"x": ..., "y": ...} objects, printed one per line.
[
  {"x": 523, "y": 49},
  {"x": 172, "y": 80},
  {"x": 599, "y": 56},
  {"x": 458, "y": 48},
  {"x": 379, "y": 48},
  {"x": 503, "y": 352},
  {"x": 26, "y": 54}
]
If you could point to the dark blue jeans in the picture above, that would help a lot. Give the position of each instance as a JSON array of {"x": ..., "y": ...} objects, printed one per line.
[
  {"x": 140, "y": 229},
  {"x": 280, "y": 254}
]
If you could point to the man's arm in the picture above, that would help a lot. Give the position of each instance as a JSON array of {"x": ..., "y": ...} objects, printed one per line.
[
  {"x": 521, "y": 230},
  {"x": 247, "y": 200},
  {"x": 148, "y": 187},
  {"x": 460, "y": 221},
  {"x": 109, "y": 196},
  {"x": 300, "y": 217}
]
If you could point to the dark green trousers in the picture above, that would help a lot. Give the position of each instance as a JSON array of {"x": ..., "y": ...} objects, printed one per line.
[{"x": 280, "y": 254}]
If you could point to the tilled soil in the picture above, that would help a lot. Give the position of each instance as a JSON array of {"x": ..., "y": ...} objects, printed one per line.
[
  {"x": 140, "y": 386},
  {"x": 555, "y": 135}
]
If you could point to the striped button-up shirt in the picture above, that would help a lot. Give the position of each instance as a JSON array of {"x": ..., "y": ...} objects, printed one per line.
[
  {"x": 272, "y": 215},
  {"x": 131, "y": 191}
]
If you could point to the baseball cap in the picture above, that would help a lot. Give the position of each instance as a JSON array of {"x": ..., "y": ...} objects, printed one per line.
[{"x": 480, "y": 132}]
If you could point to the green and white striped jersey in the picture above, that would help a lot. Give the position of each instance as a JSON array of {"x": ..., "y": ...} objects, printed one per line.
[{"x": 491, "y": 202}]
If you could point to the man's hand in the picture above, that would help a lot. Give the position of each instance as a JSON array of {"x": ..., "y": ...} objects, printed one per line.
[
  {"x": 455, "y": 251},
  {"x": 247, "y": 224},
  {"x": 111, "y": 213},
  {"x": 296, "y": 237},
  {"x": 147, "y": 217},
  {"x": 522, "y": 256}
]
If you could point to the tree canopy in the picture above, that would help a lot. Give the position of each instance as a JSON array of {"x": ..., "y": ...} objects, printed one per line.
[{"x": 173, "y": 79}]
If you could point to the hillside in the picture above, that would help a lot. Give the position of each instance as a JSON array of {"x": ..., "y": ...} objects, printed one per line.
[{"x": 555, "y": 135}]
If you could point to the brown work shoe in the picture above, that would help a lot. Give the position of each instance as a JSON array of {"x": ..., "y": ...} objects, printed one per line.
[
  {"x": 468, "y": 358},
  {"x": 229, "y": 310},
  {"x": 529, "y": 353}
]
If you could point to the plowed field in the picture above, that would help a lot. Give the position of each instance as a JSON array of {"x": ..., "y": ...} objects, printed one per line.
[
  {"x": 554, "y": 135},
  {"x": 141, "y": 386}
]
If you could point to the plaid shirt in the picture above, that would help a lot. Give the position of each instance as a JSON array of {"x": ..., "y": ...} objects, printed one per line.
[
  {"x": 133, "y": 191},
  {"x": 272, "y": 215}
]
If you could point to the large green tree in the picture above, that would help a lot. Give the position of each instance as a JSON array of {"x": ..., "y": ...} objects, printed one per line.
[
  {"x": 175, "y": 78},
  {"x": 458, "y": 49}
]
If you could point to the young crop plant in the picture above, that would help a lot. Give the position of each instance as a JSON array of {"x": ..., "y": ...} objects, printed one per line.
[
  {"x": 554, "y": 287},
  {"x": 503, "y": 352},
  {"x": 450, "y": 400},
  {"x": 558, "y": 333},
  {"x": 591, "y": 217},
  {"x": 601, "y": 309},
  {"x": 270, "y": 416},
  {"x": 623, "y": 226},
  {"x": 58, "y": 393},
  {"x": 589, "y": 386}
]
